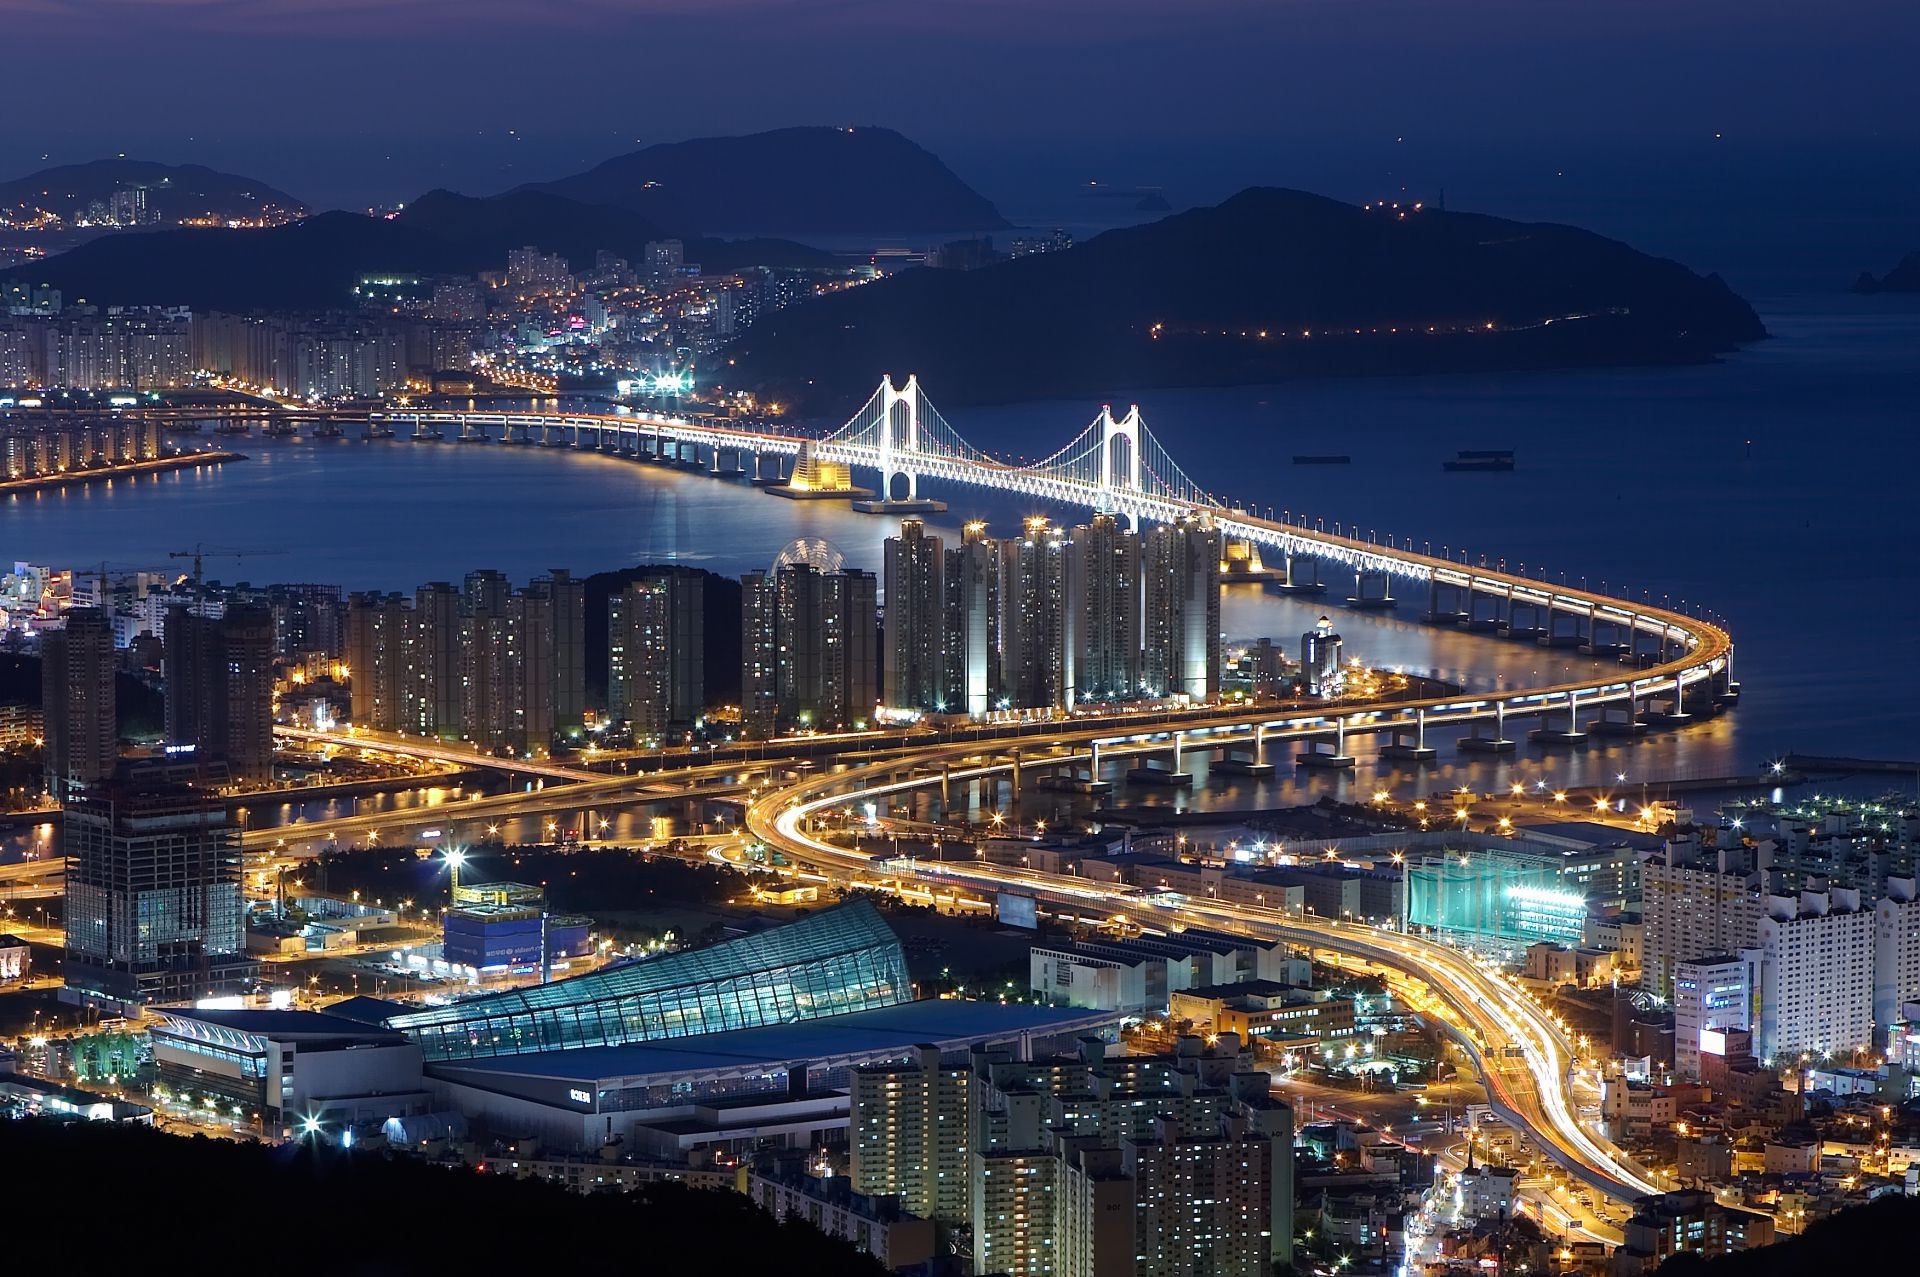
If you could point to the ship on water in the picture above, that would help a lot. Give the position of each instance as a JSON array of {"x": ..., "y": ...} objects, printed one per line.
[{"x": 1474, "y": 459}]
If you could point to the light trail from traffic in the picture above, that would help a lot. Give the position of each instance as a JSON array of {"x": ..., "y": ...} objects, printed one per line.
[{"x": 1490, "y": 1016}]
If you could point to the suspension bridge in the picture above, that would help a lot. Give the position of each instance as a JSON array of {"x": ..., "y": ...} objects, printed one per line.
[{"x": 1117, "y": 465}]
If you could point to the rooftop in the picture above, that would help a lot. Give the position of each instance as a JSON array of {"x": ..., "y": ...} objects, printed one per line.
[{"x": 860, "y": 1036}]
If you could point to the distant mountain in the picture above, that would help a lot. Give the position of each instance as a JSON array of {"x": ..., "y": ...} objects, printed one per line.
[
  {"x": 798, "y": 181},
  {"x": 1903, "y": 278},
  {"x": 315, "y": 263},
  {"x": 554, "y": 224},
  {"x": 1269, "y": 285},
  {"x": 173, "y": 192}
]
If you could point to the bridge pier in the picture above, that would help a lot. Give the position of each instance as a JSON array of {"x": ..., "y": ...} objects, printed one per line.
[
  {"x": 1539, "y": 620},
  {"x": 1675, "y": 712},
  {"x": 1551, "y": 733},
  {"x": 1338, "y": 760},
  {"x": 1618, "y": 720},
  {"x": 1474, "y": 743},
  {"x": 1176, "y": 778},
  {"x": 1236, "y": 761},
  {"x": 1618, "y": 639},
  {"x": 1299, "y": 575},
  {"x": 1499, "y": 611},
  {"x": 1576, "y": 638},
  {"x": 1418, "y": 751},
  {"x": 1443, "y": 604},
  {"x": 1363, "y": 597}
]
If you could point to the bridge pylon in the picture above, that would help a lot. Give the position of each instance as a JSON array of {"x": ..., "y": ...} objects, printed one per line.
[
  {"x": 1120, "y": 458},
  {"x": 900, "y": 439}
]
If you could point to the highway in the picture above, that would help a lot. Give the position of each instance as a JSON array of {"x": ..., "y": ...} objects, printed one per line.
[{"x": 1527, "y": 1058}]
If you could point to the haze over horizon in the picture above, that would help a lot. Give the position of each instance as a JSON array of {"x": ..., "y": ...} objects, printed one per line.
[{"x": 1221, "y": 94}]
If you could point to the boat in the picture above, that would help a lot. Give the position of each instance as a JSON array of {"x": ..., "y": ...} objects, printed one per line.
[
  {"x": 1300, "y": 459},
  {"x": 1480, "y": 459}
]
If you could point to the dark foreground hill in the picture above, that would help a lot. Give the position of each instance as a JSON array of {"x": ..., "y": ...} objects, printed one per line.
[
  {"x": 1270, "y": 284},
  {"x": 322, "y": 1211},
  {"x": 315, "y": 263},
  {"x": 173, "y": 191},
  {"x": 821, "y": 181}
]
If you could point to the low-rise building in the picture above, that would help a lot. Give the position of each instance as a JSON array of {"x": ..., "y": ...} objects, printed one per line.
[
  {"x": 876, "y": 1224},
  {"x": 1260, "y": 1010},
  {"x": 1689, "y": 1221}
]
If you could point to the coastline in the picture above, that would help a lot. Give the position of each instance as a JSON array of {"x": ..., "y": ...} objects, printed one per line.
[{"x": 158, "y": 465}]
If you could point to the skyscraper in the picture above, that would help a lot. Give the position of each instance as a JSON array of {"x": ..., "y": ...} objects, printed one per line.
[
  {"x": 1182, "y": 629},
  {"x": 972, "y": 622},
  {"x": 377, "y": 659},
  {"x": 154, "y": 910},
  {"x": 914, "y": 675},
  {"x": 219, "y": 677},
  {"x": 433, "y": 656},
  {"x": 807, "y": 649},
  {"x": 1320, "y": 666},
  {"x": 76, "y": 673},
  {"x": 569, "y": 646},
  {"x": 1035, "y": 665},
  {"x": 1103, "y": 602},
  {"x": 656, "y": 652}
]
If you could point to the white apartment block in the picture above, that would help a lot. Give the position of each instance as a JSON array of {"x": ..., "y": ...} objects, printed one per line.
[{"x": 1816, "y": 974}]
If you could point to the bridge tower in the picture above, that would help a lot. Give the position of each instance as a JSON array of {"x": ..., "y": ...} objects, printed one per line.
[
  {"x": 1120, "y": 463},
  {"x": 899, "y": 439}
]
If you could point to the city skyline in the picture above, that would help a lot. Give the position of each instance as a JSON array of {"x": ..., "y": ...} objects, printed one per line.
[{"x": 1257, "y": 638}]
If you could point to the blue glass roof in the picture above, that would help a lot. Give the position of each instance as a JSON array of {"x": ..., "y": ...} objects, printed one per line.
[{"x": 846, "y": 959}]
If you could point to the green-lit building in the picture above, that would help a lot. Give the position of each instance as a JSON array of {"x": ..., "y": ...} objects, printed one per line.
[{"x": 1495, "y": 897}]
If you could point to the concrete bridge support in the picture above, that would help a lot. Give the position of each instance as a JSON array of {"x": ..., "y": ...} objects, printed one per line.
[
  {"x": 1250, "y": 760},
  {"x": 1372, "y": 591},
  {"x": 1175, "y": 777},
  {"x": 1477, "y": 742},
  {"x": 1560, "y": 726},
  {"x": 1314, "y": 756},
  {"x": 1300, "y": 574},
  {"x": 1447, "y": 604},
  {"x": 1409, "y": 742}
]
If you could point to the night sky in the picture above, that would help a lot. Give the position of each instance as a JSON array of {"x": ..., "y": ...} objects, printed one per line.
[{"x": 351, "y": 101}]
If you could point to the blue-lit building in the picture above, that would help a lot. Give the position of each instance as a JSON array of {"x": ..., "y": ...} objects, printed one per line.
[
  {"x": 500, "y": 926},
  {"x": 846, "y": 959}
]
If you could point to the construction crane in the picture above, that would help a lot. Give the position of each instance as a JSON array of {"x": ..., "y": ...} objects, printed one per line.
[{"x": 201, "y": 552}]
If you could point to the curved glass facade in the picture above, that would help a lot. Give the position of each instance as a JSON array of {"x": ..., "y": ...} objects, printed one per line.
[{"x": 846, "y": 959}]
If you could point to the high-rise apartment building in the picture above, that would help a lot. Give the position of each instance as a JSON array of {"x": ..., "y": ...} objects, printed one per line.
[
  {"x": 154, "y": 909},
  {"x": 1103, "y": 610},
  {"x": 432, "y": 645},
  {"x": 568, "y": 603},
  {"x": 1182, "y": 630},
  {"x": 913, "y": 666},
  {"x": 1896, "y": 953},
  {"x": 910, "y": 1132},
  {"x": 1086, "y": 1166},
  {"x": 1695, "y": 903},
  {"x": 656, "y": 652},
  {"x": 1035, "y": 658},
  {"x": 807, "y": 649},
  {"x": 971, "y": 589},
  {"x": 219, "y": 687},
  {"x": 486, "y": 663},
  {"x": 378, "y": 634},
  {"x": 1711, "y": 995},
  {"x": 1816, "y": 975},
  {"x": 76, "y": 673}
]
